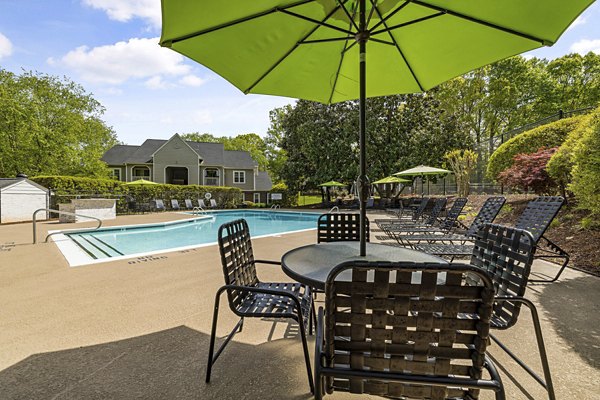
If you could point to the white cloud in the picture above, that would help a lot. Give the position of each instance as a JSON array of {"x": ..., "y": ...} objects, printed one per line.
[
  {"x": 192, "y": 80},
  {"x": 5, "y": 46},
  {"x": 581, "y": 20},
  {"x": 202, "y": 117},
  {"x": 584, "y": 46},
  {"x": 114, "y": 64},
  {"x": 125, "y": 10},
  {"x": 156, "y": 82}
]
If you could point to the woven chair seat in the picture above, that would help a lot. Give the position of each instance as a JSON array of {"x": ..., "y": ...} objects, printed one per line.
[
  {"x": 445, "y": 249},
  {"x": 270, "y": 305}
]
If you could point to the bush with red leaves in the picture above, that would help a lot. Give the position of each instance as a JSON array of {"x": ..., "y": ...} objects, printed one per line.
[{"x": 528, "y": 172}]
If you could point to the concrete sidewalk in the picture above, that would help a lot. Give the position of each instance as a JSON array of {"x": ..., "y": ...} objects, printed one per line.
[{"x": 139, "y": 328}]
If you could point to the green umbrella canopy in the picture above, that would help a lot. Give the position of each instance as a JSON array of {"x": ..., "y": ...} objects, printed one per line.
[
  {"x": 332, "y": 184},
  {"x": 423, "y": 170},
  {"x": 391, "y": 179},
  {"x": 317, "y": 49},
  {"x": 141, "y": 182}
]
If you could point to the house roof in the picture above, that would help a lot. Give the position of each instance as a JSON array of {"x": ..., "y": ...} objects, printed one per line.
[
  {"x": 211, "y": 154},
  {"x": 6, "y": 182},
  {"x": 263, "y": 181}
]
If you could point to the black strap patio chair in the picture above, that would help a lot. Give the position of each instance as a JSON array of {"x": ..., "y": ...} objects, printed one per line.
[
  {"x": 340, "y": 227},
  {"x": 249, "y": 297},
  {"x": 507, "y": 254},
  {"x": 405, "y": 330},
  {"x": 487, "y": 213},
  {"x": 175, "y": 205},
  {"x": 157, "y": 205},
  {"x": 536, "y": 218}
]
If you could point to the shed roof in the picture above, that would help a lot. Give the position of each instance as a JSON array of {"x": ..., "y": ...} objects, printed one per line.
[{"x": 6, "y": 183}]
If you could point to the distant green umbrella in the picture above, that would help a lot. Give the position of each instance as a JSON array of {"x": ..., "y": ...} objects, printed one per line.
[
  {"x": 391, "y": 179},
  {"x": 332, "y": 184},
  {"x": 141, "y": 182},
  {"x": 423, "y": 170},
  {"x": 317, "y": 49}
]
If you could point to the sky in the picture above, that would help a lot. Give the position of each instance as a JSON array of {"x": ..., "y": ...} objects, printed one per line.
[{"x": 110, "y": 47}]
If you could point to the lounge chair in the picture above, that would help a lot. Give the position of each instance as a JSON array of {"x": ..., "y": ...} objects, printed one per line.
[
  {"x": 188, "y": 204},
  {"x": 487, "y": 213},
  {"x": 201, "y": 204},
  {"x": 213, "y": 203},
  {"x": 175, "y": 205},
  {"x": 367, "y": 342},
  {"x": 248, "y": 297},
  {"x": 340, "y": 227},
  {"x": 400, "y": 225},
  {"x": 536, "y": 218},
  {"x": 157, "y": 205}
]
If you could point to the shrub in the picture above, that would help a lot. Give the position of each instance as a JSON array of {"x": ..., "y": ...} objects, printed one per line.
[
  {"x": 290, "y": 198},
  {"x": 549, "y": 135},
  {"x": 561, "y": 163},
  {"x": 65, "y": 188},
  {"x": 528, "y": 172},
  {"x": 586, "y": 171},
  {"x": 462, "y": 163}
]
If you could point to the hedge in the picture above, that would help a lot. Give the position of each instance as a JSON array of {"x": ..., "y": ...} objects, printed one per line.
[
  {"x": 586, "y": 171},
  {"x": 549, "y": 135},
  {"x": 562, "y": 162},
  {"x": 65, "y": 188},
  {"x": 290, "y": 198}
]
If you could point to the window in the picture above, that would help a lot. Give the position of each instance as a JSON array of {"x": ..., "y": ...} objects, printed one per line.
[
  {"x": 211, "y": 177},
  {"x": 239, "y": 177},
  {"x": 141, "y": 172},
  {"x": 256, "y": 197},
  {"x": 116, "y": 173}
]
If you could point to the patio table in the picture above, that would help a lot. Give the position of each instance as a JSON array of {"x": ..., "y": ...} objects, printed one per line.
[{"x": 311, "y": 264}]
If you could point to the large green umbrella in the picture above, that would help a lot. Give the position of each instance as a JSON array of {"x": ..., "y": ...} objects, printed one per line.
[
  {"x": 422, "y": 171},
  {"x": 391, "y": 179},
  {"x": 317, "y": 49},
  {"x": 331, "y": 184}
]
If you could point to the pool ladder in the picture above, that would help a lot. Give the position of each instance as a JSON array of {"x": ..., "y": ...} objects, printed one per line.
[
  {"x": 198, "y": 210},
  {"x": 275, "y": 207},
  {"x": 34, "y": 217},
  {"x": 334, "y": 209}
]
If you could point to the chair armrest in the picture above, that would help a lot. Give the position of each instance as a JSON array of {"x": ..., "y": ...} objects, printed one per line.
[
  {"x": 270, "y": 262},
  {"x": 274, "y": 292}
]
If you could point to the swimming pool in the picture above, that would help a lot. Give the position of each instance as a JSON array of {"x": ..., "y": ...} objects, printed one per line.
[{"x": 134, "y": 240}]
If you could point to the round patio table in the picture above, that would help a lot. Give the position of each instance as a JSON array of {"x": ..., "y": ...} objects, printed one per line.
[{"x": 311, "y": 264}]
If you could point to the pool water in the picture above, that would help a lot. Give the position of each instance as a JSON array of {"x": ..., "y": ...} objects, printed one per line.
[{"x": 129, "y": 240}]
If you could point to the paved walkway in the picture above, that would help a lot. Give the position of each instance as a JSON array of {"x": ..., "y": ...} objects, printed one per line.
[{"x": 139, "y": 328}]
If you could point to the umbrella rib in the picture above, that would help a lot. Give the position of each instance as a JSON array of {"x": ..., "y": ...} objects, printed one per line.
[
  {"x": 400, "y": 51},
  {"x": 169, "y": 42},
  {"x": 543, "y": 42},
  {"x": 294, "y": 47},
  {"x": 384, "y": 20},
  {"x": 346, "y": 48},
  {"x": 350, "y": 17},
  {"x": 393, "y": 27},
  {"x": 315, "y": 21}
]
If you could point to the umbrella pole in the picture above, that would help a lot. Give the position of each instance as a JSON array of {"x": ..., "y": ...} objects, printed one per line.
[{"x": 362, "y": 38}]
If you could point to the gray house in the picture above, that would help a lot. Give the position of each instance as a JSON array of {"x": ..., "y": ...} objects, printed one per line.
[{"x": 181, "y": 162}]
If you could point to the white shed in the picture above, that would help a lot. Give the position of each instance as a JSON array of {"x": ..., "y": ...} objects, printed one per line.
[{"x": 19, "y": 198}]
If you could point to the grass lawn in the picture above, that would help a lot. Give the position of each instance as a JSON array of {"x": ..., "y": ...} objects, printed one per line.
[{"x": 308, "y": 200}]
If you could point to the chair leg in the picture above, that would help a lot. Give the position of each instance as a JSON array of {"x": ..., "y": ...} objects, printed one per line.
[
  {"x": 306, "y": 353},
  {"x": 547, "y": 381},
  {"x": 213, "y": 334}
]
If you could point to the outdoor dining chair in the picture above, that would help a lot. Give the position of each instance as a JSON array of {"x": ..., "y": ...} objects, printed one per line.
[
  {"x": 405, "y": 330},
  {"x": 248, "y": 297},
  {"x": 340, "y": 227},
  {"x": 506, "y": 254}
]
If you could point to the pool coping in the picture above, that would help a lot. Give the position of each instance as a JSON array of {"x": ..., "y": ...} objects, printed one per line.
[{"x": 77, "y": 257}]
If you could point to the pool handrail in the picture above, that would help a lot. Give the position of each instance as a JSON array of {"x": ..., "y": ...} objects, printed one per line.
[
  {"x": 198, "y": 210},
  {"x": 334, "y": 209},
  {"x": 34, "y": 217},
  {"x": 275, "y": 207}
]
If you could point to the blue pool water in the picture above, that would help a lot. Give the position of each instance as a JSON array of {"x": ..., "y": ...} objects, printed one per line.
[{"x": 123, "y": 241}]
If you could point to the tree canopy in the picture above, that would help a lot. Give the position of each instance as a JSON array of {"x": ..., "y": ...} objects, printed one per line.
[{"x": 50, "y": 126}]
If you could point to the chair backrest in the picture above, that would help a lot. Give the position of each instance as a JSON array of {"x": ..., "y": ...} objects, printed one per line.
[
  {"x": 438, "y": 206},
  {"x": 174, "y": 204},
  {"x": 406, "y": 318},
  {"x": 213, "y": 203},
  {"x": 453, "y": 213},
  {"x": 488, "y": 212},
  {"x": 419, "y": 210},
  {"x": 159, "y": 204},
  {"x": 538, "y": 215},
  {"x": 188, "y": 203},
  {"x": 201, "y": 203},
  {"x": 506, "y": 253},
  {"x": 340, "y": 227},
  {"x": 237, "y": 259}
]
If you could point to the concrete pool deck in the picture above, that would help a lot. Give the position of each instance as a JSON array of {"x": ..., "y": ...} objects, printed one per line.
[{"x": 139, "y": 328}]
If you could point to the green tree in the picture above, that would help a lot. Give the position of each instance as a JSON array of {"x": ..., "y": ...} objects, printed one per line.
[
  {"x": 462, "y": 163},
  {"x": 50, "y": 126}
]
